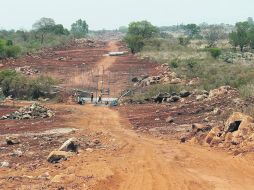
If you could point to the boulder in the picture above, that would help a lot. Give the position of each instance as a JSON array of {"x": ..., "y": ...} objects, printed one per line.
[
  {"x": 4, "y": 164},
  {"x": 170, "y": 119},
  {"x": 184, "y": 94},
  {"x": 237, "y": 120},
  {"x": 220, "y": 91},
  {"x": 11, "y": 140},
  {"x": 57, "y": 156},
  {"x": 70, "y": 145},
  {"x": 201, "y": 97}
]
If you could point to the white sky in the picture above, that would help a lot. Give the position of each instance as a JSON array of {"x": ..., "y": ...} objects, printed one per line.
[{"x": 110, "y": 14}]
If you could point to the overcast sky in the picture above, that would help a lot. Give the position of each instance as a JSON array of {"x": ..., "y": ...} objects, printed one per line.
[{"x": 110, "y": 14}]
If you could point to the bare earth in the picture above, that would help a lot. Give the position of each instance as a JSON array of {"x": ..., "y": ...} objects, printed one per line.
[{"x": 129, "y": 160}]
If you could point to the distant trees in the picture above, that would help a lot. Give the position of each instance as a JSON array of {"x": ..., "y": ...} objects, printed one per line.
[
  {"x": 242, "y": 36},
  {"x": 213, "y": 33},
  {"x": 192, "y": 30},
  {"x": 46, "y": 26},
  {"x": 43, "y": 26},
  {"x": 79, "y": 29},
  {"x": 137, "y": 33}
]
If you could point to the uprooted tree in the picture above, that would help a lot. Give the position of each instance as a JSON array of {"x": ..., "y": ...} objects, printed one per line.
[{"x": 138, "y": 33}]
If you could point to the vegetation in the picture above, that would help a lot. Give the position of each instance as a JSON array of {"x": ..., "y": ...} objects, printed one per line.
[
  {"x": 18, "y": 86},
  {"x": 45, "y": 33},
  {"x": 7, "y": 49},
  {"x": 138, "y": 33},
  {"x": 79, "y": 29},
  {"x": 190, "y": 60},
  {"x": 243, "y": 35}
]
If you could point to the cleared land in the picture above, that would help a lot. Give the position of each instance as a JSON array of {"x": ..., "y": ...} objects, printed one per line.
[{"x": 113, "y": 155}]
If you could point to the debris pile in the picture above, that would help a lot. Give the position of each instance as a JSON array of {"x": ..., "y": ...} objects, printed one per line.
[
  {"x": 26, "y": 70},
  {"x": 30, "y": 112},
  {"x": 237, "y": 134},
  {"x": 170, "y": 97}
]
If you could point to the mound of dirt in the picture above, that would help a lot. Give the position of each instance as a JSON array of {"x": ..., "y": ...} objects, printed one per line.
[{"x": 30, "y": 112}]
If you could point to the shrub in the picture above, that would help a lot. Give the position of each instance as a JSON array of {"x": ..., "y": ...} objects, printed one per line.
[
  {"x": 40, "y": 87},
  {"x": 174, "y": 63},
  {"x": 184, "y": 41},
  {"x": 19, "y": 86},
  {"x": 215, "y": 52},
  {"x": 12, "y": 51}
]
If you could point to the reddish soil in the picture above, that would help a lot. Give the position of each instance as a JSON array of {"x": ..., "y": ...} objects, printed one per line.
[{"x": 124, "y": 160}]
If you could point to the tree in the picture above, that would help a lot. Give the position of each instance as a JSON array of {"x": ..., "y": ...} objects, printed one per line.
[
  {"x": 213, "y": 33},
  {"x": 123, "y": 29},
  {"x": 79, "y": 29},
  {"x": 240, "y": 36},
  {"x": 137, "y": 33},
  {"x": 44, "y": 26},
  {"x": 192, "y": 30},
  {"x": 251, "y": 37}
]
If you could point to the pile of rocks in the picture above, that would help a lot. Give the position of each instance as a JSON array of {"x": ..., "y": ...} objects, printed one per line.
[
  {"x": 27, "y": 70},
  {"x": 30, "y": 112},
  {"x": 231, "y": 57},
  {"x": 170, "y": 97},
  {"x": 165, "y": 77},
  {"x": 218, "y": 92},
  {"x": 237, "y": 134}
]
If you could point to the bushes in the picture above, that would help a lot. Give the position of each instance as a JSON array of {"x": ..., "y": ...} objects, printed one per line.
[
  {"x": 12, "y": 51},
  {"x": 215, "y": 52},
  {"x": 7, "y": 49},
  {"x": 19, "y": 86}
]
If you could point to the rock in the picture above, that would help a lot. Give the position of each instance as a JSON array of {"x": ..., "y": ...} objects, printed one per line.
[
  {"x": 220, "y": 91},
  {"x": 184, "y": 94},
  {"x": 201, "y": 97},
  {"x": 30, "y": 112},
  {"x": 4, "y": 164},
  {"x": 237, "y": 120},
  {"x": 89, "y": 150},
  {"x": 136, "y": 79},
  {"x": 11, "y": 140},
  {"x": 160, "y": 97},
  {"x": 216, "y": 111},
  {"x": 70, "y": 145},
  {"x": 200, "y": 128},
  {"x": 175, "y": 81},
  {"x": 57, "y": 156},
  {"x": 170, "y": 119},
  {"x": 17, "y": 152},
  {"x": 96, "y": 141},
  {"x": 183, "y": 139},
  {"x": 175, "y": 98}
]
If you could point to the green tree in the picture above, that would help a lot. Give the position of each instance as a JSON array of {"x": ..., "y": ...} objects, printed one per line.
[
  {"x": 240, "y": 36},
  {"x": 192, "y": 30},
  {"x": 79, "y": 29},
  {"x": 251, "y": 37},
  {"x": 138, "y": 33},
  {"x": 44, "y": 26}
]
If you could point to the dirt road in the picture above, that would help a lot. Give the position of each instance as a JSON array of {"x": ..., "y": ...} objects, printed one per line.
[{"x": 146, "y": 163}]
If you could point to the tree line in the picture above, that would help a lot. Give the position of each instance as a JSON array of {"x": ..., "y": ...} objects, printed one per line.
[
  {"x": 45, "y": 32},
  {"x": 241, "y": 35}
]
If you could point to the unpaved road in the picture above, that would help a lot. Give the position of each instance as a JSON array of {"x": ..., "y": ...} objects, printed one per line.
[{"x": 143, "y": 162}]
